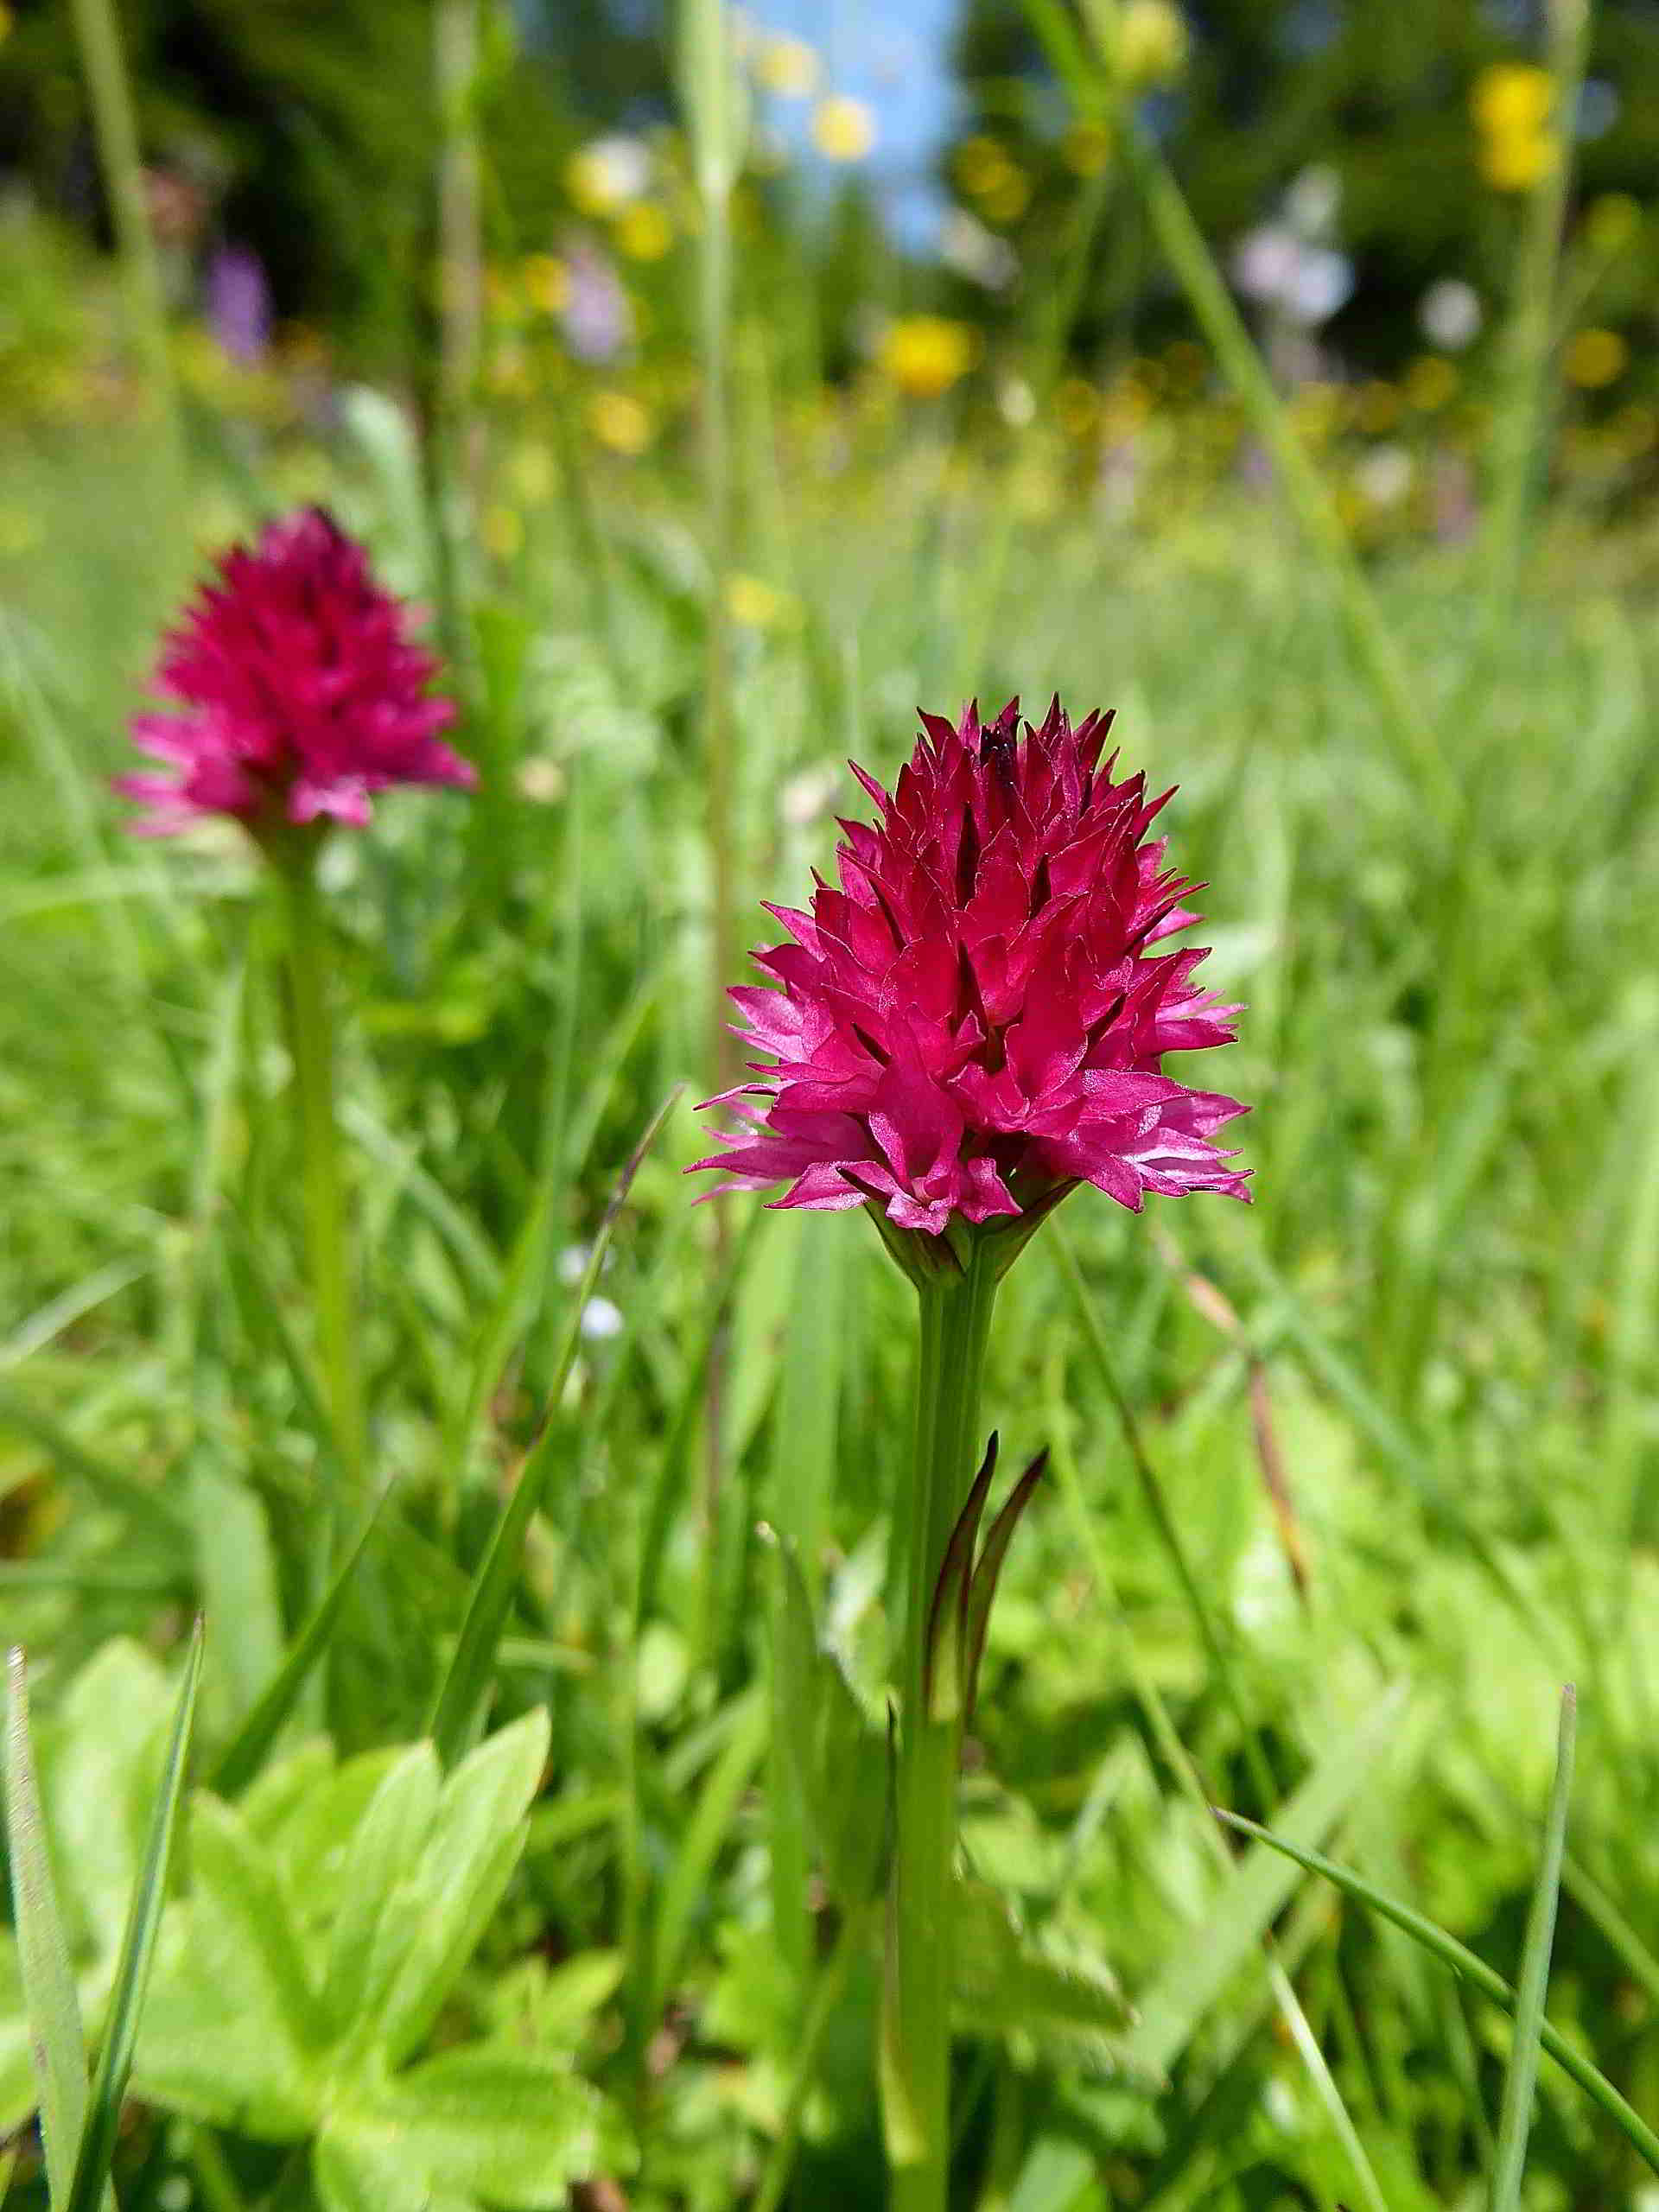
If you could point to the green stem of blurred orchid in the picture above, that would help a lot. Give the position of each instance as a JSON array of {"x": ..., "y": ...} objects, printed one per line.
[{"x": 327, "y": 1232}]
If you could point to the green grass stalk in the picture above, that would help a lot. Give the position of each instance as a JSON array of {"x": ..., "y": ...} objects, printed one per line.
[
  {"x": 1526, "y": 379},
  {"x": 97, "y": 36}
]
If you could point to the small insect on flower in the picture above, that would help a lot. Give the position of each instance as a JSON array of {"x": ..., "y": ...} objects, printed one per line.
[
  {"x": 974, "y": 1022},
  {"x": 298, "y": 692}
]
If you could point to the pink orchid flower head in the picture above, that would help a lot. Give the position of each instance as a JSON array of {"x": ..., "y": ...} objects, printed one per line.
[
  {"x": 294, "y": 692},
  {"x": 971, "y": 1021}
]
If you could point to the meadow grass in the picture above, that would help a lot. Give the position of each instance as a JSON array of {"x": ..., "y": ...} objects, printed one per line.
[
  {"x": 1345, "y": 1487},
  {"x": 1395, "y": 1425}
]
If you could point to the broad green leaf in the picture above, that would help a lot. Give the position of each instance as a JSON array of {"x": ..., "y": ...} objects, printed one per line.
[
  {"x": 48, "y": 1984},
  {"x": 512, "y": 2130},
  {"x": 238, "y": 1893},
  {"x": 477, "y": 1839},
  {"x": 377, "y": 1890},
  {"x": 1065, "y": 2009},
  {"x": 109, "y": 2087},
  {"x": 365, "y": 2173},
  {"x": 106, "y": 1753},
  {"x": 1254, "y": 1893},
  {"x": 536, "y": 2007}
]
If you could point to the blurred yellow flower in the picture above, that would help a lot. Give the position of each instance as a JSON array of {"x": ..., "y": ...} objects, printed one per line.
[
  {"x": 1429, "y": 382},
  {"x": 607, "y": 174},
  {"x": 981, "y": 165},
  {"x": 843, "y": 130},
  {"x": 757, "y": 605},
  {"x": 1516, "y": 161},
  {"x": 788, "y": 67},
  {"x": 1612, "y": 222},
  {"x": 509, "y": 372},
  {"x": 503, "y": 532},
  {"x": 5, "y": 23},
  {"x": 1512, "y": 96},
  {"x": 925, "y": 354},
  {"x": 1149, "y": 43},
  {"x": 546, "y": 282},
  {"x": 1086, "y": 148},
  {"x": 1376, "y": 408},
  {"x": 1511, "y": 103},
  {"x": 620, "y": 421},
  {"x": 1596, "y": 358},
  {"x": 1077, "y": 405},
  {"x": 644, "y": 232},
  {"x": 1007, "y": 201}
]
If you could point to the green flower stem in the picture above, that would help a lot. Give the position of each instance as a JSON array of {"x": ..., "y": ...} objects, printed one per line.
[
  {"x": 328, "y": 1238},
  {"x": 955, "y": 1320}
]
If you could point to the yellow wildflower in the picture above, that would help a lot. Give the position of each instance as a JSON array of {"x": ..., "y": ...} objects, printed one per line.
[
  {"x": 757, "y": 605},
  {"x": 546, "y": 282},
  {"x": 620, "y": 421},
  {"x": 788, "y": 66},
  {"x": 1512, "y": 96},
  {"x": 644, "y": 232},
  {"x": 1429, "y": 382},
  {"x": 843, "y": 130},
  {"x": 925, "y": 354},
  {"x": 1596, "y": 358},
  {"x": 1149, "y": 43},
  {"x": 1511, "y": 103}
]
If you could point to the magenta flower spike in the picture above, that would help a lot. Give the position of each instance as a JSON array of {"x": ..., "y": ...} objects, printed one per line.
[
  {"x": 969, "y": 1023},
  {"x": 296, "y": 693},
  {"x": 972, "y": 1020}
]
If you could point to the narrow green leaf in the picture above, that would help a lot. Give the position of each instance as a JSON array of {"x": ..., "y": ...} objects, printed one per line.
[
  {"x": 687, "y": 1885},
  {"x": 49, "y": 2000},
  {"x": 1254, "y": 1893},
  {"x": 1464, "y": 1963},
  {"x": 465, "y": 1690},
  {"x": 1521, "y": 2081},
  {"x": 981, "y": 1593},
  {"x": 137, "y": 1949},
  {"x": 245, "y": 1754}
]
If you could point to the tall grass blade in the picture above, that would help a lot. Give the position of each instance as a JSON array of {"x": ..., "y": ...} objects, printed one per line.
[
  {"x": 465, "y": 1689},
  {"x": 245, "y": 1754},
  {"x": 1521, "y": 2081},
  {"x": 92, "y": 2172},
  {"x": 1469, "y": 1968},
  {"x": 49, "y": 2000}
]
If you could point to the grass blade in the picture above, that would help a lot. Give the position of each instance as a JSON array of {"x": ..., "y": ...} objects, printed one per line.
[
  {"x": 464, "y": 1687},
  {"x": 137, "y": 1948},
  {"x": 1521, "y": 2079},
  {"x": 245, "y": 1755},
  {"x": 49, "y": 1998},
  {"x": 1475, "y": 1971}
]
